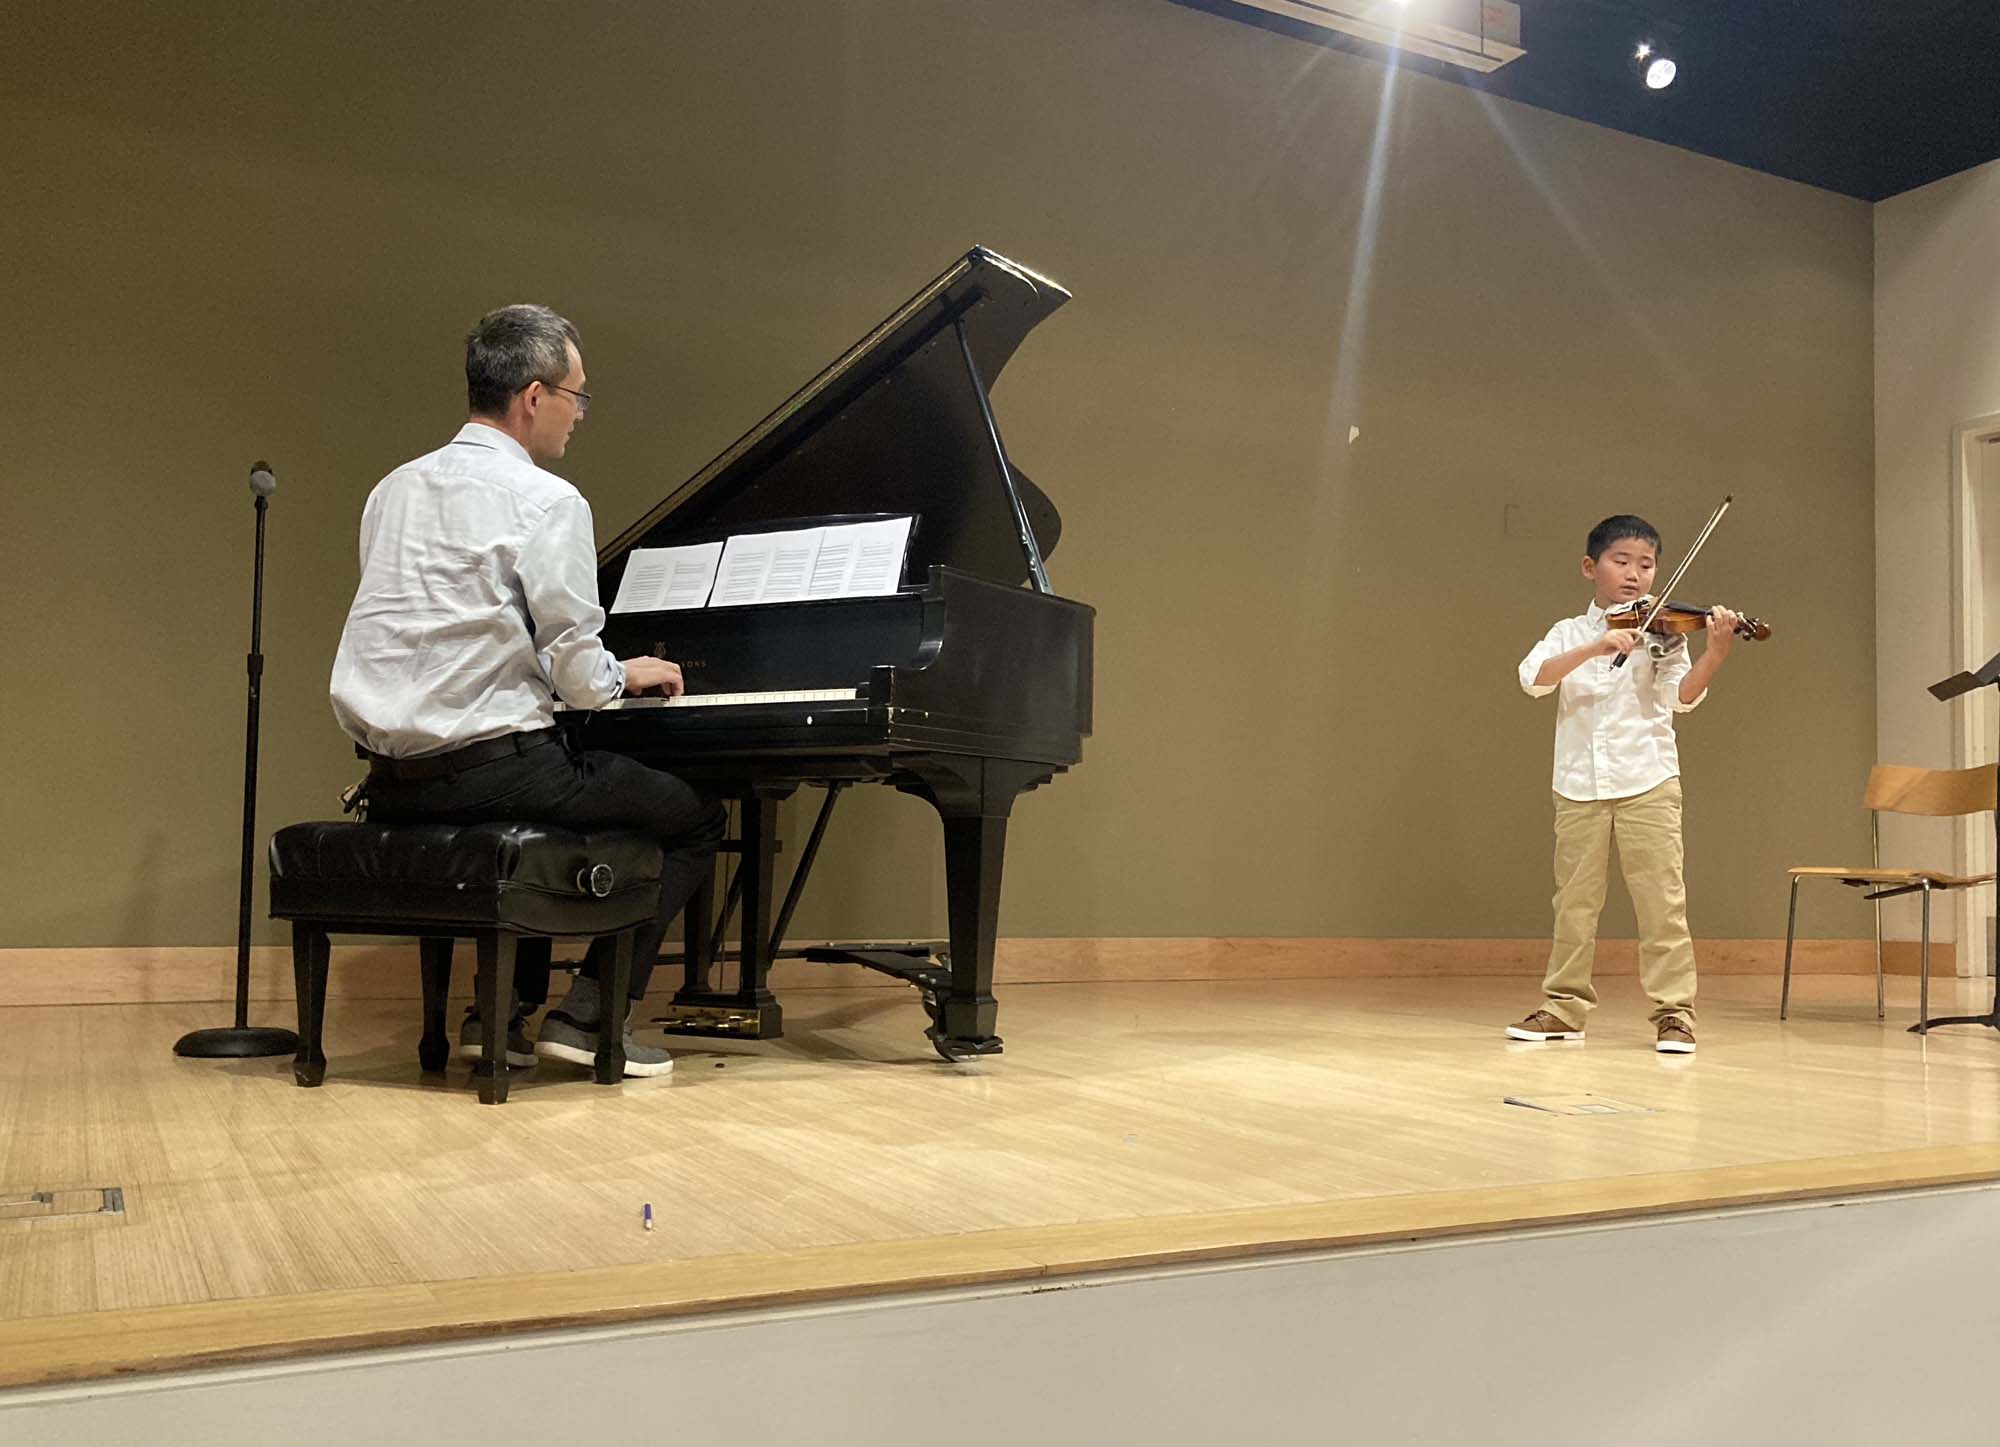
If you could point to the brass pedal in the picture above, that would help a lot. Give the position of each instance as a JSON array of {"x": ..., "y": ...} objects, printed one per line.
[{"x": 733, "y": 1022}]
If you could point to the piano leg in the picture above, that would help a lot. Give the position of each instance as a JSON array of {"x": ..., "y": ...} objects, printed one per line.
[
  {"x": 750, "y": 1011},
  {"x": 974, "y": 797},
  {"x": 973, "y": 849},
  {"x": 695, "y": 956},
  {"x": 760, "y": 847}
]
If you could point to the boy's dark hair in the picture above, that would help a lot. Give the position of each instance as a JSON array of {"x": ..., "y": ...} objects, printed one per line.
[
  {"x": 509, "y": 349},
  {"x": 1617, "y": 529}
]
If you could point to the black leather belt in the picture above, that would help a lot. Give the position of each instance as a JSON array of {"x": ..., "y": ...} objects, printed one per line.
[{"x": 436, "y": 766}]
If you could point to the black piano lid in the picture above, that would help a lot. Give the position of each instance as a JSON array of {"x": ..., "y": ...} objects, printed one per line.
[{"x": 893, "y": 426}]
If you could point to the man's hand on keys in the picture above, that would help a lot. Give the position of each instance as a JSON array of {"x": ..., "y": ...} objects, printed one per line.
[{"x": 644, "y": 675}]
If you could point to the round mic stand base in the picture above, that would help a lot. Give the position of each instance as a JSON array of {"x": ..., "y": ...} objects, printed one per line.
[{"x": 237, "y": 1042}]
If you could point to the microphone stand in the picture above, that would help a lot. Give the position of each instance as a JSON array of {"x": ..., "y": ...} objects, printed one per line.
[{"x": 244, "y": 1040}]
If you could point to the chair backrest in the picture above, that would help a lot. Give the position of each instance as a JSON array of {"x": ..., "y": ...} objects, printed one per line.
[{"x": 1901, "y": 789}]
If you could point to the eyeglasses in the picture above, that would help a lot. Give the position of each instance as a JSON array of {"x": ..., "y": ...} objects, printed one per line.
[{"x": 582, "y": 398}]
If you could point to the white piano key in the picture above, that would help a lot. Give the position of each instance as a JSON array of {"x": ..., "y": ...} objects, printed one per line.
[{"x": 739, "y": 700}]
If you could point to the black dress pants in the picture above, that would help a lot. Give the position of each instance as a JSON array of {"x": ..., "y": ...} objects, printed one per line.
[{"x": 555, "y": 783}]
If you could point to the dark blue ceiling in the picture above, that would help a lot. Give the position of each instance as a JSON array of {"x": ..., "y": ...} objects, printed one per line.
[{"x": 1864, "y": 97}]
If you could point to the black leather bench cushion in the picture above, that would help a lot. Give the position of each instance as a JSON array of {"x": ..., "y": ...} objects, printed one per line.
[{"x": 523, "y": 877}]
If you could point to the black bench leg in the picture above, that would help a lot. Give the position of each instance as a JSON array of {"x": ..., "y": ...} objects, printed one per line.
[
  {"x": 496, "y": 1012},
  {"x": 612, "y": 1011},
  {"x": 311, "y": 951},
  {"x": 435, "y": 1048}
]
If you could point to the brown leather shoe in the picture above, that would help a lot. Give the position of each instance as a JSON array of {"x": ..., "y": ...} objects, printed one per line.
[
  {"x": 1543, "y": 1026},
  {"x": 1676, "y": 1037}
]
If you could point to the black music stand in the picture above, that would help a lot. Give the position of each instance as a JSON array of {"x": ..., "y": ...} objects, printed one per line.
[{"x": 1945, "y": 689}]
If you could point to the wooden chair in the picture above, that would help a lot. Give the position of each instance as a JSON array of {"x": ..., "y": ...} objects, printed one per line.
[{"x": 1900, "y": 789}]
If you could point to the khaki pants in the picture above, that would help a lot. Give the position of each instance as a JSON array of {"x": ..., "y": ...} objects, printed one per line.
[{"x": 1647, "y": 828}]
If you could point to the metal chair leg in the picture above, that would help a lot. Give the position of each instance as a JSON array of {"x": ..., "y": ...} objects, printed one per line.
[
  {"x": 1880, "y": 1012},
  {"x": 1924, "y": 972},
  {"x": 1791, "y": 928},
  {"x": 1875, "y": 859}
]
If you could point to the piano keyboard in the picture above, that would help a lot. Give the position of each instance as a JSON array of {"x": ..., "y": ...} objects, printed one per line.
[{"x": 741, "y": 700}]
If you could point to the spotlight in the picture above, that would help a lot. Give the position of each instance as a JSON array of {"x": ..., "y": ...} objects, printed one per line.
[{"x": 1656, "y": 70}]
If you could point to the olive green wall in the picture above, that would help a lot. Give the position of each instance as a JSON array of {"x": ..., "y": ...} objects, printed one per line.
[{"x": 229, "y": 235}]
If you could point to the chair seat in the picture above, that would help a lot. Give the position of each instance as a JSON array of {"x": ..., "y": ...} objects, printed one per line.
[
  {"x": 523, "y": 878},
  {"x": 1868, "y": 874}
]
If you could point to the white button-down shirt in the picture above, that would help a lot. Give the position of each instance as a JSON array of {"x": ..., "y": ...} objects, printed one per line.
[
  {"x": 477, "y": 606},
  {"x": 1614, "y": 726}
]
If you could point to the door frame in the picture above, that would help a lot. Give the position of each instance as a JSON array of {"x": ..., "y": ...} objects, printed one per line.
[{"x": 1973, "y": 719}]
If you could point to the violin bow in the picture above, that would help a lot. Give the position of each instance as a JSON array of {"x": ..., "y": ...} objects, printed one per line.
[{"x": 1668, "y": 591}]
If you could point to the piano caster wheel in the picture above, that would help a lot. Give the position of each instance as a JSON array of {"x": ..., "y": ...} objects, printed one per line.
[
  {"x": 960, "y": 1051},
  {"x": 954, "y": 1049}
]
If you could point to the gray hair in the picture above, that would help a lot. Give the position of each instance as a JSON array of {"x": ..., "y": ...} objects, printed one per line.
[{"x": 509, "y": 349}]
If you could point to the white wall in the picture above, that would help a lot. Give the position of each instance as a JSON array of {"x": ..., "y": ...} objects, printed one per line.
[
  {"x": 1937, "y": 366},
  {"x": 1808, "y": 1324}
]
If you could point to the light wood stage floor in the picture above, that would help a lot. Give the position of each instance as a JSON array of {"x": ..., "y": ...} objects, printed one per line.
[{"x": 1127, "y": 1124}]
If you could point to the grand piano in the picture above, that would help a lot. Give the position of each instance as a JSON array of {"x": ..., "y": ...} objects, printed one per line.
[{"x": 966, "y": 687}]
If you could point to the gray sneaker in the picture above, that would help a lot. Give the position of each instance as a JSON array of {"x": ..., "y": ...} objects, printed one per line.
[
  {"x": 562, "y": 1038},
  {"x": 472, "y": 1040}
]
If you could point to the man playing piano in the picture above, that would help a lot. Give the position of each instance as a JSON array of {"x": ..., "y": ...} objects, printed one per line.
[{"x": 477, "y": 610}]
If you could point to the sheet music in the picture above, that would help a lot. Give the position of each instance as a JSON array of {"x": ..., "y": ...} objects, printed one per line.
[
  {"x": 658, "y": 580},
  {"x": 766, "y": 567},
  {"x": 860, "y": 560},
  {"x": 844, "y": 560}
]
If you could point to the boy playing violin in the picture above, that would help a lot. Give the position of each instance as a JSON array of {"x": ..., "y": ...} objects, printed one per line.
[{"x": 1617, "y": 775}]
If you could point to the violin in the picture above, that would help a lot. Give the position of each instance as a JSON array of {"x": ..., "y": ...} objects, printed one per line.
[
  {"x": 1670, "y": 622},
  {"x": 1675, "y": 620}
]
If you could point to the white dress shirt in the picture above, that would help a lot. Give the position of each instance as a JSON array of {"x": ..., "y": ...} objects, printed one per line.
[
  {"x": 1614, "y": 726},
  {"x": 477, "y": 607}
]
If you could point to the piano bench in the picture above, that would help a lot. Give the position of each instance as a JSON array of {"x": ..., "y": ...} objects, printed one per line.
[{"x": 495, "y": 884}]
